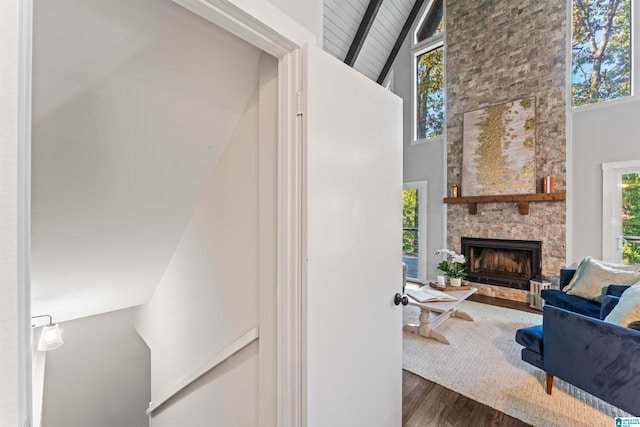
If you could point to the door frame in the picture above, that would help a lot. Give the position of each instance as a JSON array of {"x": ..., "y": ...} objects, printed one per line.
[
  {"x": 611, "y": 203},
  {"x": 266, "y": 27},
  {"x": 422, "y": 187}
]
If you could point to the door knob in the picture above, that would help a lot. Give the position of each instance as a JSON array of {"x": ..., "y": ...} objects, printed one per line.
[{"x": 399, "y": 298}]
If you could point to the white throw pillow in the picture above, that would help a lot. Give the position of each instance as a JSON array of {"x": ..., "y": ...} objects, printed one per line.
[
  {"x": 592, "y": 276},
  {"x": 625, "y": 267},
  {"x": 628, "y": 308}
]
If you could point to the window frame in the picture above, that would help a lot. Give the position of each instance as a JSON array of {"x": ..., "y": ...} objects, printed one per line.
[
  {"x": 417, "y": 49},
  {"x": 612, "y": 207},
  {"x": 422, "y": 187},
  {"x": 635, "y": 58}
]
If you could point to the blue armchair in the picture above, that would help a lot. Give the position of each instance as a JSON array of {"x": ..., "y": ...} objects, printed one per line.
[{"x": 601, "y": 358}]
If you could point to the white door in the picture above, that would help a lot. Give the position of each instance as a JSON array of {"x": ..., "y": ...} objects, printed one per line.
[{"x": 354, "y": 187}]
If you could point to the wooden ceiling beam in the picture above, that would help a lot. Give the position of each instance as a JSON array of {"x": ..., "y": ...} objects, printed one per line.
[
  {"x": 403, "y": 34},
  {"x": 363, "y": 31}
]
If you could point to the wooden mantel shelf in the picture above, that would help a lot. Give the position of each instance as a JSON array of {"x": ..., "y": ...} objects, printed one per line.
[{"x": 522, "y": 199}]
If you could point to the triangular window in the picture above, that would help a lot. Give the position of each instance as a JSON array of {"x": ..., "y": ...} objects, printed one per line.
[{"x": 432, "y": 22}]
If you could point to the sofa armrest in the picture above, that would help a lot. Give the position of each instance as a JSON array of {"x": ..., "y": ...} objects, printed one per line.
[
  {"x": 566, "y": 274},
  {"x": 616, "y": 290},
  {"x": 599, "y": 357},
  {"x": 608, "y": 303}
]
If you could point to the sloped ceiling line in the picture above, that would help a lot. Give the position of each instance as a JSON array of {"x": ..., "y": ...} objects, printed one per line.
[
  {"x": 363, "y": 30},
  {"x": 398, "y": 44},
  {"x": 368, "y": 34}
]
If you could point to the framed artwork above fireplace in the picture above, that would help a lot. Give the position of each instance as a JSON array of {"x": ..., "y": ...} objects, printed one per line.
[{"x": 498, "y": 154}]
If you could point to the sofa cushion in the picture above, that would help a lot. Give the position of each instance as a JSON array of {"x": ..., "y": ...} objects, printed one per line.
[
  {"x": 592, "y": 276},
  {"x": 627, "y": 310},
  {"x": 608, "y": 304},
  {"x": 558, "y": 298},
  {"x": 531, "y": 338}
]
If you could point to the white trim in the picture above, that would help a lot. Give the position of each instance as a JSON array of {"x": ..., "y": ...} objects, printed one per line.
[
  {"x": 216, "y": 360},
  {"x": 258, "y": 23},
  {"x": 621, "y": 166},
  {"x": 24, "y": 213},
  {"x": 433, "y": 139},
  {"x": 290, "y": 399},
  {"x": 428, "y": 44},
  {"x": 569, "y": 141},
  {"x": 611, "y": 207},
  {"x": 601, "y": 105}
]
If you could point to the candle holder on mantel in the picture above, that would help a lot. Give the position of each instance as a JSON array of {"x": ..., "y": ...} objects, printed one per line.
[{"x": 455, "y": 190}]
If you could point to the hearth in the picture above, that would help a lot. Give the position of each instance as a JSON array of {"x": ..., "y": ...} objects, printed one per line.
[{"x": 501, "y": 262}]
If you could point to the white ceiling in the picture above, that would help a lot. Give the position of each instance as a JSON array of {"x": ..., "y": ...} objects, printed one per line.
[
  {"x": 133, "y": 103},
  {"x": 342, "y": 19}
]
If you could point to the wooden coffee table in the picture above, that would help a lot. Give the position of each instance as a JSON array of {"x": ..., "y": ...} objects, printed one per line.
[{"x": 433, "y": 314}]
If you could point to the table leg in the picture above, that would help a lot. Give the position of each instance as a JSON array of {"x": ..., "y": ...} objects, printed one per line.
[
  {"x": 424, "y": 328},
  {"x": 461, "y": 315}
]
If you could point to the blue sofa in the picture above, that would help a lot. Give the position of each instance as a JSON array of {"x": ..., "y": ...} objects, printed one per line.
[
  {"x": 578, "y": 347},
  {"x": 573, "y": 303}
]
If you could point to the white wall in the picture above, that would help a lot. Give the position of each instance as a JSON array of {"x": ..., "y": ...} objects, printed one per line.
[
  {"x": 422, "y": 162},
  {"x": 9, "y": 33},
  {"x": 208, "y": 295},
  {"x": 100, "y": 376},
  {"x": 605, "y": 133},
  {"x": 129, "y": 119},
  {"x": 307, "y": 13}
]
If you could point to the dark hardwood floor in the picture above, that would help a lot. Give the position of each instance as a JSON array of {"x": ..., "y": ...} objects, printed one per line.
[{"x": 425, "y": 403}]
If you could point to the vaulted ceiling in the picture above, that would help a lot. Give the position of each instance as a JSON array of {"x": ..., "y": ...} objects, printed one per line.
[
  {"x": 367, "y": 34},
  {"x": 129, "y": 121}
]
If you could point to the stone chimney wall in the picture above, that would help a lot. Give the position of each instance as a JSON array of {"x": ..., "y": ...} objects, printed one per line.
[{"x": 499, "y": 51}]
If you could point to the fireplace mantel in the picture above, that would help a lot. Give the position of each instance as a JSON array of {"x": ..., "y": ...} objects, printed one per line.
[{"x": 522, "y": 199}]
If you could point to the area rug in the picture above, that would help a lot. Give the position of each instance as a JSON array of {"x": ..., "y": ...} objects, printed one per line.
[{"x": 483, "y": 363}]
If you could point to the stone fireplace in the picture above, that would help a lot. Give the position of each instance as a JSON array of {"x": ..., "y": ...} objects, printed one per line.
[
  {"x": 477, "y": 78},
  {"x": 501, "y": 262}
]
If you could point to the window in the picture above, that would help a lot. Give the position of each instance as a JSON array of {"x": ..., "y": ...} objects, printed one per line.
[
  {"x": 414, "y": 222},
  {"x": 630, "y": 195},
  {"x": 428, "y": 56},
  {"x": 601, "y": 51},
  {"x": 621, "y": 212}
]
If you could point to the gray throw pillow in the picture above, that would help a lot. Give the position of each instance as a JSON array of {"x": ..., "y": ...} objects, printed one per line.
[{"x": 592, "y": 276}]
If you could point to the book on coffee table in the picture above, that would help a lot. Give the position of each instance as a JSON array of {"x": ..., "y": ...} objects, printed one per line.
[{"x": 426, "y": 294}]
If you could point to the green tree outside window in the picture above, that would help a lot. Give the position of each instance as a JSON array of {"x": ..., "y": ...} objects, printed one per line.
[
  {"x": 601, "y": 50},
  {"x": 631, "y": 216}
]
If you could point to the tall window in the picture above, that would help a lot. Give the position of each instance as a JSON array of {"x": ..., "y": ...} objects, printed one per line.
[
  {"x": 601, "y": 51},
  {"x": 428, "y": 54}
]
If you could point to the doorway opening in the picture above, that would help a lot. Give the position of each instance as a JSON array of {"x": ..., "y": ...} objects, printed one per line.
[
  {"x": 414, "y": 230},
  {"x": 621, "y": 212}
]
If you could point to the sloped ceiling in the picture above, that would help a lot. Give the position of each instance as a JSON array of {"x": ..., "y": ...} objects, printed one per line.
[
  {"x": 388, "y": 19},
  {"x": 133, "y": 103}
]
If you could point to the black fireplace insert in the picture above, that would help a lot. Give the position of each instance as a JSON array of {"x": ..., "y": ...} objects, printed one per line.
[{"x": 501, "y": 262}]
